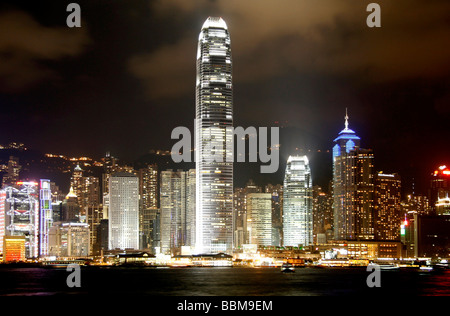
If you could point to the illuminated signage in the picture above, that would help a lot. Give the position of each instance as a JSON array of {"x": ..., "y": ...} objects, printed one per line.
[
  {"x": 443, "y": 170},
  {"x": 26, "y": 183}
]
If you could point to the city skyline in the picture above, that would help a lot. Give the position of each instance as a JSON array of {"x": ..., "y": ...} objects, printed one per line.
[
  {"x": 214, "y": 113},
  {"x": 281, "y": 82},
  {"x": 101, "y": 102}
]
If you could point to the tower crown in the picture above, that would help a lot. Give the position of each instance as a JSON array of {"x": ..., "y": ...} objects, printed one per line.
[
  {"x": 347, "y": 133},
  {"x": 216, "y": 22}
]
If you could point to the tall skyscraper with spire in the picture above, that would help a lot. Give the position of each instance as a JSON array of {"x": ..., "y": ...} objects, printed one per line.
[
  {"x": 297, "y": 203},
  {"x": 353, "y": 188},
  {"x": 214, "y": 114}
]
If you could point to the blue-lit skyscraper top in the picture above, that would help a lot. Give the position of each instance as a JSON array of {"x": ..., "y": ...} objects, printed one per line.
[{"x": 346, "y": 141}]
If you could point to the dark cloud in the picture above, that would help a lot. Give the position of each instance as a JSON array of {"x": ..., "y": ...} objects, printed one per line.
[
  {"x": 26, "y": 47},
  {"x": 278, "y": 38}
]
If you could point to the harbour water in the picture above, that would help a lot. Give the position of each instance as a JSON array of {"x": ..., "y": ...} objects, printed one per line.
[{"x": 37, "y": 281}]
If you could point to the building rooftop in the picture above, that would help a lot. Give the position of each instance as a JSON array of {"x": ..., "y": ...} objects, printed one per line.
[{"x": 216, "y": 22}]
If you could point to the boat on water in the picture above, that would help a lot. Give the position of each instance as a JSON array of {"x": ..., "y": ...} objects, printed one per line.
[
  {"x": 386, "y": 266},
  {"x": 389, "y": 267},
  {"x": 63, "y": 263},
  {"x": 426, "y": 269},
  {"x": 287, "y": 267}
]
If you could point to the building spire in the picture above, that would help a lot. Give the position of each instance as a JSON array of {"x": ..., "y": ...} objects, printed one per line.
[
  {"x": 346, "y": 119},
  {"x": 71, "y": 193}
]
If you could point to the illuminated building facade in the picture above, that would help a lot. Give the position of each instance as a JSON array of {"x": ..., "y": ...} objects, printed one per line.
[
  {"x": 13, "y": 248},
  {"x": 322, "y": 215},
  {"x": 372, "y": 250},
  {"x": 110, "y": 166},
  {"x": 240, "y": 212},
  {"x": 259, "y": 218},
  {"x": 148, "y": 205},
  {"x": 411, "y": 208},
  {"x": 69, "y": 240},
  {"x": 443, "y": 206},
  {"x": 94, "y": 216},
  {"x": 149, "y": 229},
  {"x": 2, "y": 217},
  {"x": 149, "y": 186},
  {"x": 46, "y": 215},
  {"x": 177, "y": 210},
  {"x": 190, "y": 207},
  {"x": 87, "y": 190},
  {"x": 22, "y": 215},
  {"x": 440, "y": 186},
  {"x": 214, "y": 114},
  {"x": 239, "y": 217},
  {"x": 277, "y": 212},
  {"x": 13, "y": 171},
  {"x": 173, "y": 210},
  {"x": 353, "y": 188},
  {"x": 297, "y": 203},
  {"x": 70, "y": 209},
  {"x": 123, "y": 224},
  {"x": 388, "y": 215},
  {"x": 76, "y": 183}
]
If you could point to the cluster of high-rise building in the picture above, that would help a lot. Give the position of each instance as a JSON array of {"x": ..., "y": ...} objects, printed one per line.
[{"x": 200, "y": 211}]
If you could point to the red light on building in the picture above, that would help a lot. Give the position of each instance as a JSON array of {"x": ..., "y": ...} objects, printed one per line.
[{"x": 443, "y": 170}]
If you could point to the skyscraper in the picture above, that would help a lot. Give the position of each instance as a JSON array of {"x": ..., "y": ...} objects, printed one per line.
[
  {"x": 45, "y": 215},
  {"x": 123, "y": 231},
  {"x": 177, "y": 210},
  {"x": 87, "y": 191},
  {"x": 22, "y": 215},
  {"x": 148, "y": 204},
  {"x": 297, "y": 203},
  {"x": 149, "y": 186},
  {"x": 440, "y": 187},
  {"x": 240, "y": 212},
  {"x": 70, "y": 209},
  {"x": 190, "y": 207},
  {"x": 353, "y": 188},
  {"x": 214, "y": 114},
  {"x": 69, "y": 240},
  {"x": 13, "y": 171},
  {"x": 259, "y": 218},
  {"x": 277, "y": 212},
  {"x": 173, "y": 210},
  {"x": 322, "y": 215},
  {"x": 387, "y": 206}
]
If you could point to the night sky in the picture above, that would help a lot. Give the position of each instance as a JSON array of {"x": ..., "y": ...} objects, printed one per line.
[{"x": 126, "y": 78}]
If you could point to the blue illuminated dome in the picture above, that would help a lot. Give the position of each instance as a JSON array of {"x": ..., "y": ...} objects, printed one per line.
[
  {"x": 346, "y": 141},
  {"x": 347, "y": 133}
]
